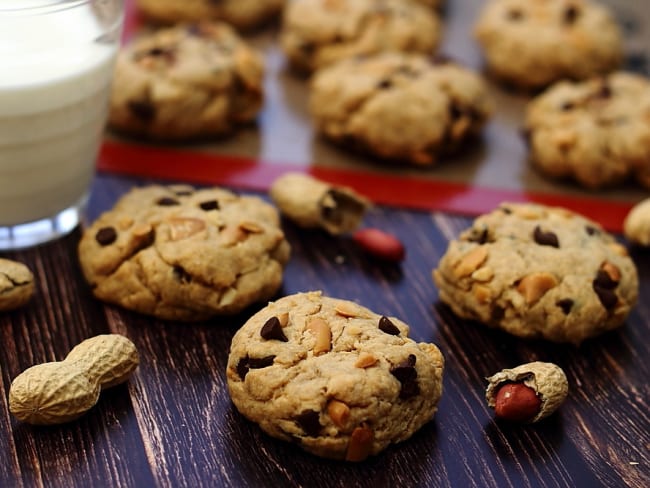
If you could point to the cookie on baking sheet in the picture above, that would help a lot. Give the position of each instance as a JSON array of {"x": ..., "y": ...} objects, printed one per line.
[
  {"x": 636, "y": 226},
  {"x": 16, "y": 284},
  {"x": 532, "y": 43},
  {"x": 404, "y": 107},
  {"x": 242, "y": 14},
  {"x": 338, "y": 379},
  {"x": 538, "y": 272},
  {"x": 186, "y": 254},
  {"x": 596, "y": 131},
  {"x": 186, "y": 82},
  {"x": 316, "y": 33}
]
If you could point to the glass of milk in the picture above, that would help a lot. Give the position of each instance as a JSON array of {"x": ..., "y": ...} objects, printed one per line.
[{"x": 56, "y": 65}]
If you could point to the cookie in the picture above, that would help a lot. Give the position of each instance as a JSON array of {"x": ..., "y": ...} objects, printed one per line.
[
  {"x": 16, "y": 284},
  {"x": 185, "y": 254},
  {"x": 332, "y": 376},
  {"x": 403, "y": 107},
  {"x": 538, "y": 272},
  {"x": 186, "y": 82},
  {"x": 242, "y": 14},
  {"x": 636, "y": 226},
  {"x": 312, "y": 203},
  {"x": 532, "y": 43},
  {"x": 316, "y": 33},
  {"x": 596, "y": 132}
]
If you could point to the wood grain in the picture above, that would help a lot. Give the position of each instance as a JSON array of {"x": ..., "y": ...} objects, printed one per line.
[{"x": 173, "y": 424}]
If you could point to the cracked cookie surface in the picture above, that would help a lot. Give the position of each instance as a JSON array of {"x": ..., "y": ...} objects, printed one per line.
[
  {"x": 538, "y": 272},
  {"x": 243, "y": 14},
  {"x": 186, "y": 82},
  {"x": 532, "y": 43},
  {"x": 186, "y": 254},
  {"x": 316, "y": 33},
  {"x": 332, "y": 376},
  {"x": 596, "y": 132},
  {"x": 400, "y": 107}
]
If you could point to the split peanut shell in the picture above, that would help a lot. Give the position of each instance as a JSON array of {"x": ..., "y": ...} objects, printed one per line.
[
  {"x": 312, "y": 203},
  {"x": 547, "y": 380}
]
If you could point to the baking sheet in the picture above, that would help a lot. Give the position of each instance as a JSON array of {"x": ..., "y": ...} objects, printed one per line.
[{"x": 490, "y": 170}]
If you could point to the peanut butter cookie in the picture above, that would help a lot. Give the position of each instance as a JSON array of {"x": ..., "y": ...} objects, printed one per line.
[
  {"x": 538, "y": 272},
  {"x": 332, "y": 376},
  {"x": 185, "y": 254}
]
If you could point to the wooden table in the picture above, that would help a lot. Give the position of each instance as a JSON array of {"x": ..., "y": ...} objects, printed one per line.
[{"x": 173, "y": 423}]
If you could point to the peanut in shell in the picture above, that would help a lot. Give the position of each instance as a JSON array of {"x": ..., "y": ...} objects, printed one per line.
[{"x": 547, "y": 380}]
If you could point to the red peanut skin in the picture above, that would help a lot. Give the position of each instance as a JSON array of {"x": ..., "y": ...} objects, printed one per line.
[
  {"x": 380, "y": 244},
  {"x": 516, "y": 402}
]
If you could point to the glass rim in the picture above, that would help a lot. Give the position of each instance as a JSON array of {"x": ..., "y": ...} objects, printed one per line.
[{"x": 45, "y": 7}]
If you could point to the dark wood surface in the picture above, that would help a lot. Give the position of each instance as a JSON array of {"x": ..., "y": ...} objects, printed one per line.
[{"x": 173, "y": 423}]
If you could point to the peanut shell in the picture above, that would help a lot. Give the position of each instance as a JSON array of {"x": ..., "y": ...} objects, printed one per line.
[
  {"x": 16, "y": 284},
  {"x": 547, "y": 380}
]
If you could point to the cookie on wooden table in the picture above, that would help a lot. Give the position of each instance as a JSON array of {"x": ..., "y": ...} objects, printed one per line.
[
  {"x": 332, "y": 376},
  {"x": 596, "y": 132},
  {"x": 538, "y": 272},
  {"x": 532, "y": 43},
  {"x": 316, "y": 33},
  {"x": 242, "y": 14},
  {"x": 186, "y": 254},
  {"x": 403, "y": 107},
  {"x": 186, "y": 82}
]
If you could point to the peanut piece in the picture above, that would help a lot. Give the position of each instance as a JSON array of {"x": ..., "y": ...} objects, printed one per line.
[
  {"x": 613, "y": 272},
  {"x": 323, "y": 334},
  {"x": 339, "y": 412},
  {"x": 482, "y": 293},
  {"x": 251, "y": 227},
  {"x": 365, "y": 360},
  {"x": 618, "y": 249},
  {"x": 471, "y": 261},
  {"x": 283, "y": 317},
  {"x": 232, "y": 234},
  {"x": 184, "y": 227},
  {"x": 58, "y": 392},
  {"x": 360, "y": 445},
  {"x": 346, "y": 309},
  {"x": 535, "y": 285}
]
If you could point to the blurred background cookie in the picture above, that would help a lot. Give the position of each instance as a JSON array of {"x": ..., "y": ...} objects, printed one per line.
[
  {"x": 596, "y": 132},
  {"x": 403, "y": 107},
  {"x": 186, "y": 82},
  {"x": 242, "y": 14},
  {"x": 316, "y": 33},
  {"x": 532, "y": 43}
]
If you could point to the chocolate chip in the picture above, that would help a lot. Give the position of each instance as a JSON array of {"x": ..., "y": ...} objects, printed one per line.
[
  {"x": 209, "y": 205},
  {"x": 384, "y": 84},
  {"x": 497, "y": 313},
  {"x": 571, "y": 14},
  {"x": 591, "y": 230},
  {"x": 247, "y": 363},
  {"x": 309, "y": 422},
  {"x": 515, "y": 14},
  {"x": 407, "y": 375},
  {"x": 505, "y": 210},
  {"x": 183, "y": 193},
  {"x": 106, "y": 236},
  {"x": 273, "y": 330},
  {"x": 181, "y": 275},
  {"x": 607, "y": 297},
  {"x": 167, "y": 202},
  {"x": 605, "y": 90},
  {"x": 385, "y": 325},
  {"x": 566, "y": 106},
  {"x": 604, "y": 280},
  {"x": 566, "y": 304},
  {"x": 545, "y": 238},
  {"x": 143, "y": 110},
  {"x": 480, "y": 236}
]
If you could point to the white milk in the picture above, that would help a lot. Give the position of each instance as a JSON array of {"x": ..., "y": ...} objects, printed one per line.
[{"x": 54, "y": 84}]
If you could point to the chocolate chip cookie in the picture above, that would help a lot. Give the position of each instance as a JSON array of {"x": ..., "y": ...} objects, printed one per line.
[
  {"x": 596, "y": 132},
  {"x": 242, "y": 14},
  {"x": 186, "y": 82},
  {"x": 185, "y": 254},
  {"x": 316, "y": 33},
  {"x": 532, "y": 43},
  {"x": 407, "y": 108},
  {"x": 332, "y": 376},
  {"x": 538, "y": 272},
  {"x": 636, "y": 226}
]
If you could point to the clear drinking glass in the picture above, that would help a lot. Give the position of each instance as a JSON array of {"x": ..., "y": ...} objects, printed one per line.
[{"x": 56, "y": 66}]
